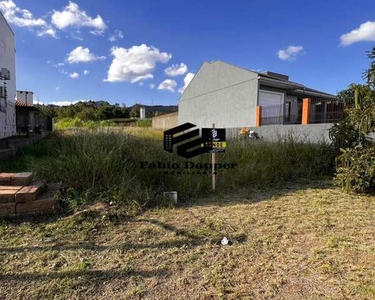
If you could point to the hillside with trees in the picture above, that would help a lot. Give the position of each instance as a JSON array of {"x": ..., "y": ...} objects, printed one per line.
[{"x": 102, "y": 110}]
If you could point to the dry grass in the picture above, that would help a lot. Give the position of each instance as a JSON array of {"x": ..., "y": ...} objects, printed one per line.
[{"x": 300, "y": 243}]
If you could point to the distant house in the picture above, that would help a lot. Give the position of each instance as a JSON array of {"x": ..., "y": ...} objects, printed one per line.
[
  {"x": 7, "y": 80},
  {"x": 233, "y": 97},
  {"x": 30, "y": 119},
  {"x": 26, "y": 97}
]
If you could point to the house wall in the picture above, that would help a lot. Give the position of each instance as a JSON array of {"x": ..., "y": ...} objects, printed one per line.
[
  {"x": 166, "y": 121},
  {"x": 222, "y": 94},
  {"x": 7, "y": 60}
]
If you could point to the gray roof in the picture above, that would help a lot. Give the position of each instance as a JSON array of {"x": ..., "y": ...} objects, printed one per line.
[{"x": 291, "y": 86}]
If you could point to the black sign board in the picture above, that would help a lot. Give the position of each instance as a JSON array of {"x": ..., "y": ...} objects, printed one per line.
[{"x": 214, "y": 139}]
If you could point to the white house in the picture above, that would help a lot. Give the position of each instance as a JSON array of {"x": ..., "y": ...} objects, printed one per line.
[
  {"x": 233, "y": 97},
  {"x": 7, "y": 80}
]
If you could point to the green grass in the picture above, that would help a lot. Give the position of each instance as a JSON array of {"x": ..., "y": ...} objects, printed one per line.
[
  {"x": 144, "y": 123},
  {"x": 67, "y": 123},
  {"x": 105, "y": 164}
]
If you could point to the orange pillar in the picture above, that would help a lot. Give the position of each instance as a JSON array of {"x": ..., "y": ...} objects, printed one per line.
[
  {"x": 258, "y": 118},
  {"x": 306, "y": 106}
]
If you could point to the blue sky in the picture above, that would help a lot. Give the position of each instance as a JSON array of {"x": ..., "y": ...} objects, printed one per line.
[{"x": 65, "y": 52}]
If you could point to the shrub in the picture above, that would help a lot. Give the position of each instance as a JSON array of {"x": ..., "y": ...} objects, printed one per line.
[
  {"x": 67, "y": 123},
  {"x": 356, "y": 169},
  {"x": 355, "y": 163}
]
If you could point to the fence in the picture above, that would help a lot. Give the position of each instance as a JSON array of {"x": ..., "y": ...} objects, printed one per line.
[
  {"x": 272, "y": 115},
  {"x": 325, "y": 110},
  {"x": 278, "y": 114}
]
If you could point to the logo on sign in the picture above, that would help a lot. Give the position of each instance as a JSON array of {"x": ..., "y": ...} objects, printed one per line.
[
  {"x": 180, "y": 134},
  {"x": 190, "y": 143}
]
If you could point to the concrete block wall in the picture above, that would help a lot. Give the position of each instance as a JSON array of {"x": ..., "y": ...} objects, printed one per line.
[
  {"x": 166, "y": 121},
  {"x": 314, "y": 133}
]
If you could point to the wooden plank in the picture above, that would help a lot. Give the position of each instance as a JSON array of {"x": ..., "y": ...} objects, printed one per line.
[
  {"x": 22, "y": 178},
  {"x": 5, "y": 178},
  {"x": 7, "y": 209},
  {"x": 10, "y": 187},
  {"x": 51, "y": 193},
  {"x": 35, "y": 206},
  {"x": 8, "y": 193},
  {"x": 45, "y": 202},
  {"x": 30, "y": 192}
]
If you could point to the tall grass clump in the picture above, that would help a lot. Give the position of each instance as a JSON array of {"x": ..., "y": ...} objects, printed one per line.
[
  {"x": 144, "y": 123},
  {"x": 66, "y": 123},
  {"x": 106, "y": 165}
]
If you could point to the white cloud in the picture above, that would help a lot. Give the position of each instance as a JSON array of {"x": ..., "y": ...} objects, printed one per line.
[
  {"x": 74, "y": 75},
  {"x": 63, "y": 103},
  {"x": 20, "y": 17},
  {"x": 290, "y": 53},
  {"x": 152, "y": 85},
  {"x": 141, "y": 78},
  {"x": 81, "y": 54},
  {"x": 365, "y": 33},
  {"x": 48, "y": 31},
  {"x": 189, "y": 77},
  {"x": 72, "y": 16},
  {"x": 176, "y": 70},
  {"x": 168, "y": 84},
  {"x": 24, "y": 18},
  {"x": 135, "y": 64},
  {"x": 116, "y": 36},
  {"x": 86, "y": 72}
]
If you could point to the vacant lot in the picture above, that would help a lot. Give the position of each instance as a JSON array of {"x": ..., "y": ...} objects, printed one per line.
[{"x": 305, "y": 242}]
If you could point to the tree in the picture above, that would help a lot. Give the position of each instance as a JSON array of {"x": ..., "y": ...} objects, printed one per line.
[
  {"x": 135, "y": 111},
  {"x": 347, "y": 95}
]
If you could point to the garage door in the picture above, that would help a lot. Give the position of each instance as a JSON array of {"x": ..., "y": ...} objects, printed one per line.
[{"x": 267, "y": 98}]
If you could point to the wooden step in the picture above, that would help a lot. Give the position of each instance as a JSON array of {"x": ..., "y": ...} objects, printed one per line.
[
  {"x": 30, "y": 192},
  {"x": 8, "y": 193},
  {"x": 5, "y": 178},
  {"x": 16, "y": 179},
  {"x": 22, "y": 178},
  {"x": 45, "y": 202},
  {"x": 7, "y": 209}
]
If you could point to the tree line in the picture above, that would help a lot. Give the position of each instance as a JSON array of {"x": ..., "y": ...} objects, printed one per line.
[{"x": 102, "y": 110}]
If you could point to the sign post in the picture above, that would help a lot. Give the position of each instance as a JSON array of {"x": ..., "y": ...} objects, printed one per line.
[
  {"x": 214, "y": 140},
  {"x": 214, "y": 162}
]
